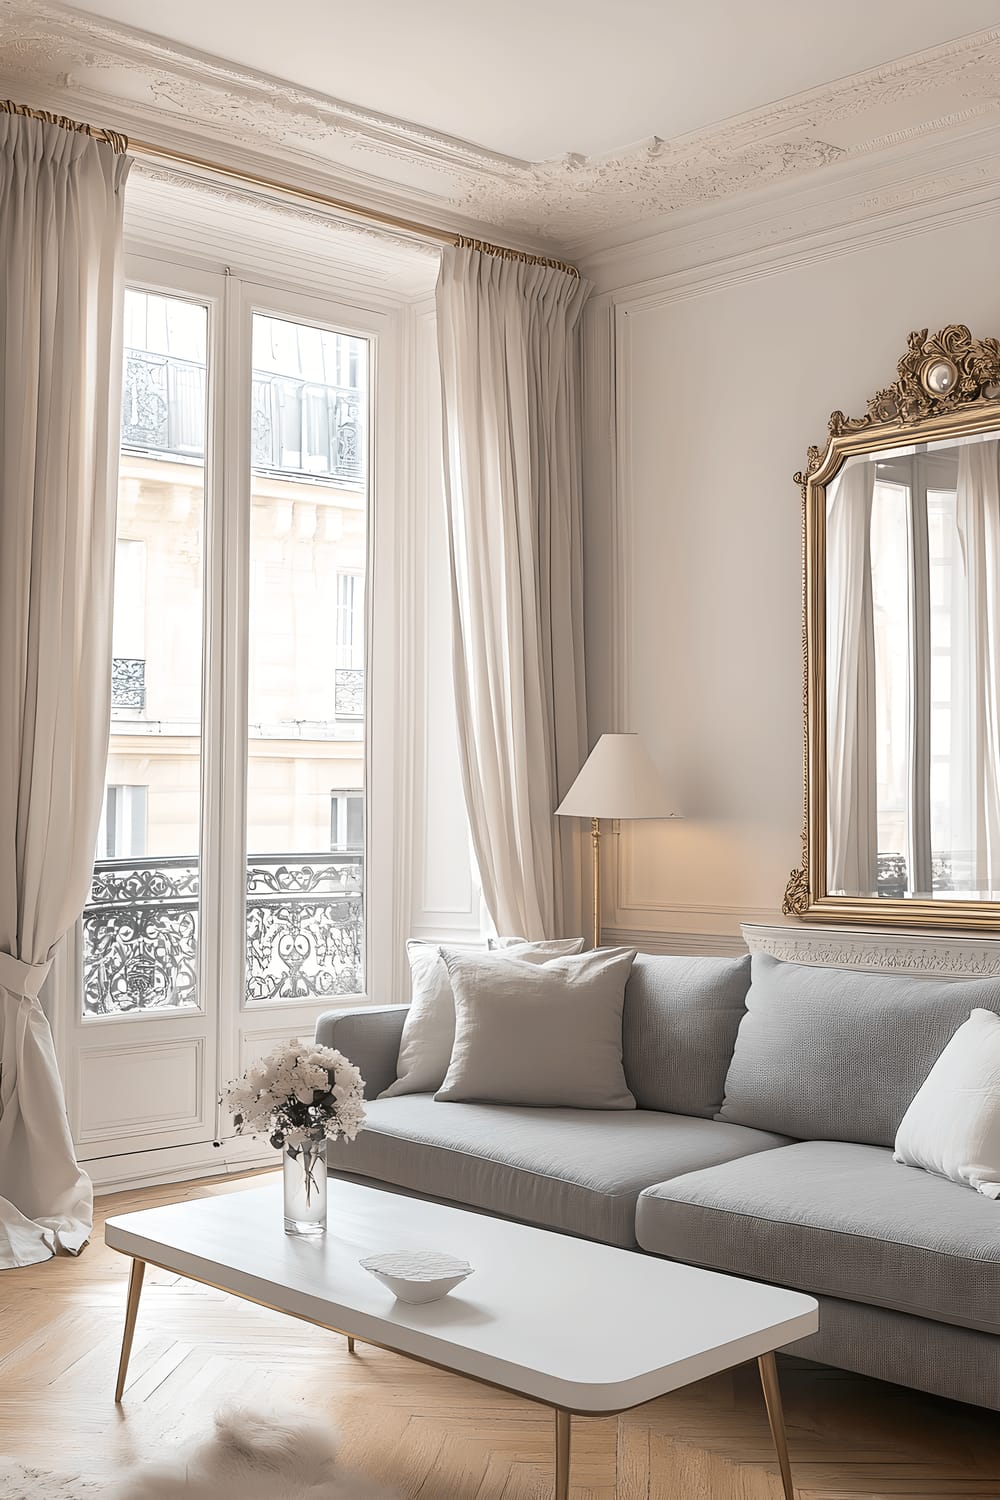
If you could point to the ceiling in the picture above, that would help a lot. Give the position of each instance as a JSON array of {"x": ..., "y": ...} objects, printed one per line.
[
  {"x": 558, "y": 125},
  {"x": 535, "y": 79}
]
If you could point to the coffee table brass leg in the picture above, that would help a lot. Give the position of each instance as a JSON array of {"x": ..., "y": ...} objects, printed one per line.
[
  {"x": 775, "y": 1415},
  {"x": 562, "y": 1455},
  {"x": 131, "y": 1309},
  {"x": 350, "y": 1343}
]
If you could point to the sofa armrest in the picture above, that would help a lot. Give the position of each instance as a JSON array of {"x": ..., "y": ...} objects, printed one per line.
[{"x": 369, "y": 1037}]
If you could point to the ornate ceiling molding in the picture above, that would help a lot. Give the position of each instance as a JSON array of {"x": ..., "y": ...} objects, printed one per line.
[{"x": 142, "y": 83}]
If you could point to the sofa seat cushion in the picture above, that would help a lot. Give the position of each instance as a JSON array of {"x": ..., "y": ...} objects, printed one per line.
[
  {"x": 572, "y": 1169},
  {"x": 839, "y": 1220}
]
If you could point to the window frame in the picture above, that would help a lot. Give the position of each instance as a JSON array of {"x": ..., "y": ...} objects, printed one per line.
[{"x": 234, "y": 1024}]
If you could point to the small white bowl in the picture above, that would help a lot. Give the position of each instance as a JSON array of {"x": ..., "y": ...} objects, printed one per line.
[{"x": 417, "y": 1275}]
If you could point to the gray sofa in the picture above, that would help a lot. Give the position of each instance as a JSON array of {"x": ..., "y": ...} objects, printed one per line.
[{"x": 761, "y": 1145}]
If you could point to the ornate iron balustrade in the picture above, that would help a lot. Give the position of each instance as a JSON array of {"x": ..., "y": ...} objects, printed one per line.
[
  {"x": 305, "y": 926},
  {"x": 128, "y": 682},
  {"x": 305, "y": 931},
  {"x": 297, "y": 426},
  {"x": 303, "y": 427},
  {"x": 163, "y": 403},
  {"x": 349, "y": 692}
]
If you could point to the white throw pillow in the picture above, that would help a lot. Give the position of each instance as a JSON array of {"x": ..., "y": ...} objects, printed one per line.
[
  {"x": 547, "y": 1034},
  {"x": 952, "y": 1128},
  {"x": 429, "y": 1028}
]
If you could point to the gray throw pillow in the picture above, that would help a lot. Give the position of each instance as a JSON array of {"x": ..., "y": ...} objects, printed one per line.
[
  {"x": 539, "y": 1034},
  {"x": 679, "y": 1028},
  {"x": 429, "y": 1028},
  {"x": 836, "y": 1055}
]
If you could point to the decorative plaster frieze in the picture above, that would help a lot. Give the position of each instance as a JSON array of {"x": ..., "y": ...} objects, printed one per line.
[
  {"x": 939, "y": 955},
  {"x": 142, "y": 82}
]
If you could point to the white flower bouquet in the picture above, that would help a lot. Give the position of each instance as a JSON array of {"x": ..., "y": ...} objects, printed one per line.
[
  {"x": 300, "y": 1092},
  {"x": 300, "y": 1096}
]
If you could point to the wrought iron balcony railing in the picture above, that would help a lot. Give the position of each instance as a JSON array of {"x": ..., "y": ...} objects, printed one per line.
[
  {"x": 305, "y": 931},
  {"x": 128, "y": 682},
  {"x": 349, "y": 692},
  {"x": 299, "y": 427}
]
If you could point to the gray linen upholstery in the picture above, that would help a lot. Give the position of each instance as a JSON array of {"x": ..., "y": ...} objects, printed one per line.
[
  {"x": 837, "y": 1220},
  {"x": 369, "y": 1037},
  {"x": 678, "y": 1029},
  {"x": 541, "y": 1034},
  {"x": 961, "y": 1363},
  {"x": 570, "y": 1169},
  {"x": 832, "y": 1054}
]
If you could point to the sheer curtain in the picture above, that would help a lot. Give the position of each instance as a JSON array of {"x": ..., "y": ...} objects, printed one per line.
[
  {"x": 852, "y": 817},
  {"x": 60, "y": 300},
  {"x": 976, "y": 666},
  {"x": 507, "y": 338}
]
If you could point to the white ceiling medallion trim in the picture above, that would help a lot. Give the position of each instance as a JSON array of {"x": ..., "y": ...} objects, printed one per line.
[
  {"x": 922, "y": 954},
  {"x": 147, "y": 85}
]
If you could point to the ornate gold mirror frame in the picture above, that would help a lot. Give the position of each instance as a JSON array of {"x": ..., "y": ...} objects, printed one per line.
[{"x": 948, "y": 386}]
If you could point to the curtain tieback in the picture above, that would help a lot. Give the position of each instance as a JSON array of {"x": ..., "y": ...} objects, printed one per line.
[{"x": 21, "y": 978}]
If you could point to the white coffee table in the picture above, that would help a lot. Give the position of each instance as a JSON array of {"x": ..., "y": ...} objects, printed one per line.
[{"x": 583, "y": 1328}]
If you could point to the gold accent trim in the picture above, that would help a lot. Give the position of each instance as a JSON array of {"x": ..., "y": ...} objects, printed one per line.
[
  {"x": 112, "y": 138},
  {"x": 918, "y": 415},
  {"x": 595, "y": 839},
  {"x": 564, "y": 1423},
  {"x": 131, "y": 1312},
  {"x": 768, "y": 1367},
  {"x": 121, "y": 143},
  {"x": 464, "y": 242}
]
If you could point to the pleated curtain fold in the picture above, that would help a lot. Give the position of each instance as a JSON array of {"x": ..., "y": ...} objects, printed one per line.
[
  {"x": 975, "y": 710},
  {"x": 508, "y": 346},
  {"x": 61, "y": 202},
  {"x": 852, "y": 813}
]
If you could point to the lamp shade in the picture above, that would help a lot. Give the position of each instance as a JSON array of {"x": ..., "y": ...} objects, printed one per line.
[{"x": 617, "y": 780}]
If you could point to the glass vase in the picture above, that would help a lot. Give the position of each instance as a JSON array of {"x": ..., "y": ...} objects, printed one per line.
[{"x": 304, "y": 1174}]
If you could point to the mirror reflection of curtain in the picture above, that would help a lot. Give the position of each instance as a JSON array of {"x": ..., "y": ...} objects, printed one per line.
[
  {"x": 976, "y": 666},
  {"x": 852, "y": 856}
]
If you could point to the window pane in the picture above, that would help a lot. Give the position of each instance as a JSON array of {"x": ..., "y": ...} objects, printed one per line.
[
  {"x": 141, "y": 924},
  {"x": 308, "y": 543}
]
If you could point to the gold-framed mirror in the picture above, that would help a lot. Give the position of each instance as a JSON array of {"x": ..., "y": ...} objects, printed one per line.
[{"x": 901, "y": 643}]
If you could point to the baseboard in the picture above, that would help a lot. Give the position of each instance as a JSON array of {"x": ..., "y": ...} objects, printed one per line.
[
  {"x": 116, "y": 1174},
  {"x": 696, "y": 944}
]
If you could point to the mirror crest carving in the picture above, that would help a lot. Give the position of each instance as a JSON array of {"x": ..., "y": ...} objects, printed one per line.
[{"x": 901, "y": 648}]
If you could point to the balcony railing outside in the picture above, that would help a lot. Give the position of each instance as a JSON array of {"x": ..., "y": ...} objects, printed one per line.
[
  {"x": 305, "y": 931},
  {"x": 297, "y": 427},
  {"x": 349, "y": 692},
  {"x": 128, "y": 682}
]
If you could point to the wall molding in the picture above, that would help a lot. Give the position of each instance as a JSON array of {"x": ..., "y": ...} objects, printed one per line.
[
  {"x": 693, "y": 944},
  {"x": 938, "y": 955},
  {"x": 900, "y": 193},
  {"x": 145, "y": 85}
]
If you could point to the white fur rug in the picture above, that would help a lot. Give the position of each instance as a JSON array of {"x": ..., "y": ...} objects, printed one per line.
[{"x": 250, "y": 1457}]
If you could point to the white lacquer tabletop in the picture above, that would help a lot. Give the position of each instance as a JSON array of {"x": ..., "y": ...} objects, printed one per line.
[{"x": 575, "y": 1324}]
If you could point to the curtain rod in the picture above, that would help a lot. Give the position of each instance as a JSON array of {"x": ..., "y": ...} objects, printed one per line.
[{"x": 121, "y": 143}]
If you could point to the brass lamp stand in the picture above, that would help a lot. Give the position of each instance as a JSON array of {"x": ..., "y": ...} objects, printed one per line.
[{"x": 617, "y": 780}]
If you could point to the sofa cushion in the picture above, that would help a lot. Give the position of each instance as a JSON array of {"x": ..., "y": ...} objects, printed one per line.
[
  {"x": 838, "y": 1220},
  {"x": 836, "y": 1055},
  {"x": 679, "y": 1026},
  {"x": 572, "y": 1169},
  {"x": 548, "y": 1035}
]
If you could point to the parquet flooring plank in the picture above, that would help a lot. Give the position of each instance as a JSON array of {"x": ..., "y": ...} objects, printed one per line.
[{"x": 433, "y": 1435}]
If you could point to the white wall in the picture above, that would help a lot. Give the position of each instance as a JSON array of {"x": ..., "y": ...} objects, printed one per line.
[{"x": 711, "y": 387}]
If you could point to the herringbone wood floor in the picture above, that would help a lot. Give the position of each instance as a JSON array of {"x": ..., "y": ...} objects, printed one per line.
[{"x": 434, "y": 1435}]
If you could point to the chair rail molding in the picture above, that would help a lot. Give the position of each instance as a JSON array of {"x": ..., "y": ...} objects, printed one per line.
[
  {"x": 875, "y": 950},
  {"x": 143, "y": 84}
]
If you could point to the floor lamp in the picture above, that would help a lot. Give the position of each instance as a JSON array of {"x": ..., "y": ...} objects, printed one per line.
[{"x": 617, "y": 780}]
